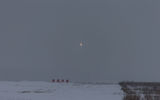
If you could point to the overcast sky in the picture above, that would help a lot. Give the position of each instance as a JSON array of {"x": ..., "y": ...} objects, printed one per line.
[{"x": 39, "y": 40}]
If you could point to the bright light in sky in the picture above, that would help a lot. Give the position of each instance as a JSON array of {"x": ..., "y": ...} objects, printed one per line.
[{"x": 83, "y": 43}]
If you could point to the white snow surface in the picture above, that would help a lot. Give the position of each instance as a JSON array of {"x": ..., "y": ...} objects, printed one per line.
[{"x": 27, "y": 90}]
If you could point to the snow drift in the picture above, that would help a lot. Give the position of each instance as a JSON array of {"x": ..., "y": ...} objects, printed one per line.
[{"x": 59, "y": 91}]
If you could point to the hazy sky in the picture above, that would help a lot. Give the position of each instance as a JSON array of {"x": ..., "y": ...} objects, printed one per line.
[{"x": 39, "y": 40}]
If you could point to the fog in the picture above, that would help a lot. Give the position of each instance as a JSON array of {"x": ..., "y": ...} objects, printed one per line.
[{"x": 39, "y": 40}]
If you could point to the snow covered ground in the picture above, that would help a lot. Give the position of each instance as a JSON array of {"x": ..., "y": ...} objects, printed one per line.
[{"x": 63, "y": 91}]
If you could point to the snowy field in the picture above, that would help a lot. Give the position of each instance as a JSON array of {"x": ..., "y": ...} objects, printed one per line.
[{"x": 58, "y": 91}]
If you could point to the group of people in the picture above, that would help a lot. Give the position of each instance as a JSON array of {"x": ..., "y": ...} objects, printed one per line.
[{"x": 60, "y": 80}]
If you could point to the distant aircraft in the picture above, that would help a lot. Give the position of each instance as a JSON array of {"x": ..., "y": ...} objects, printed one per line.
[{"x": 83, "y": 43}]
